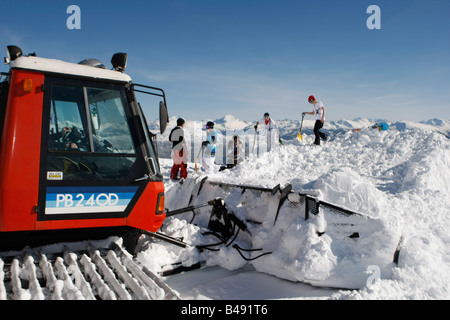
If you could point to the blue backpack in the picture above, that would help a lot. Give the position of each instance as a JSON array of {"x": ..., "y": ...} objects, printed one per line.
[{"x": 383, "y": 126}]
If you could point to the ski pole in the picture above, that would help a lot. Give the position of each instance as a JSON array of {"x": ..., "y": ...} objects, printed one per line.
[
  {"x": 196, "y": 161},
  {"x": 254, "y": 142}
]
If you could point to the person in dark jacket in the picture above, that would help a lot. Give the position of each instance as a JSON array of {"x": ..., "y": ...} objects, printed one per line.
[
  {"x": 179, "y": 151},
  {"x": 235, "y": 152}
]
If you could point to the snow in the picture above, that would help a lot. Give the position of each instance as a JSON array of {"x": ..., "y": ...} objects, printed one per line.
[{"x": 397, "y": 180}]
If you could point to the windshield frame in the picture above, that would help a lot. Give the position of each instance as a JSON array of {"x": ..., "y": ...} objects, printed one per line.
[{"x": 142, "y": 146}]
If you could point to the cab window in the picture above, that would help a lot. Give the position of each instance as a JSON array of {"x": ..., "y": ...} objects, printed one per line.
[
  {"x": 89, "y": 134},
  {"x": 109, "y": 121},
  {"x": 67, "y": 129}
]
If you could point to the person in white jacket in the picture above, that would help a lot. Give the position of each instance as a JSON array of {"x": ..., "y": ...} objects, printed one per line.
[
  {"x": 209, "y": 149},
  {"x": 272, "y": 132},
  {"x": 319, "y": 112}
]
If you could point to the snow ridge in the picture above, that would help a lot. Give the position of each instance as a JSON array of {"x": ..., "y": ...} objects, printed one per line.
[{"x": 397, "y": 177}]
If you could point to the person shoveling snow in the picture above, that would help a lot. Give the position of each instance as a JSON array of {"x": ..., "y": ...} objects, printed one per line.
[{"x": 319, "y": 112}]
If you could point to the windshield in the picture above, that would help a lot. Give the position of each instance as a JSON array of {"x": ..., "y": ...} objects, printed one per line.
[{"x": 113, "y": 129}]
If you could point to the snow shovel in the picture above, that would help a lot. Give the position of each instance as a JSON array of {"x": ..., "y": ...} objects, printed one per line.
[{"x": 299, "y": 136}]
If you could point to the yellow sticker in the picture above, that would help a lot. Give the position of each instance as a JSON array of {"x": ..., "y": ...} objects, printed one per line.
[{"x": 54, "y": 175}]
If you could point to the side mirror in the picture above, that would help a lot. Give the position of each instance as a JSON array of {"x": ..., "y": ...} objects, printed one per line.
[{"x": 163, "y": 117}]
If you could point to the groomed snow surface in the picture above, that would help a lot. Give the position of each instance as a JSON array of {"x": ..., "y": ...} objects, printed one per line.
[{"x": 398, "y": 180}]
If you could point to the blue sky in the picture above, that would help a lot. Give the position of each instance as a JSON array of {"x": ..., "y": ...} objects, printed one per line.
[{"x": 248, "y": 57}]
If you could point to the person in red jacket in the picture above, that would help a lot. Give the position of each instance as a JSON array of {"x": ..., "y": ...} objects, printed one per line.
[{"x": 179, "y": 151}]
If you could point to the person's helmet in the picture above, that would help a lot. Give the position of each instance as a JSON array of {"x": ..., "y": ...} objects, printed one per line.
[
  {"x": 209, "y": 125},
  {"x": 180, "y": 121},
  {"x": 311, "y": 99}
]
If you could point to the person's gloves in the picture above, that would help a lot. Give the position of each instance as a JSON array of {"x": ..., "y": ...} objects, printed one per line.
[
  {"x": 279, "y": 140},
  {"x": 205, "y": 143},
  {"x": 256, "y": 127}
]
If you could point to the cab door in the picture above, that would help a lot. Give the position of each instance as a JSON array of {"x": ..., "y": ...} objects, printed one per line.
[{"x": 91, "y": 153}]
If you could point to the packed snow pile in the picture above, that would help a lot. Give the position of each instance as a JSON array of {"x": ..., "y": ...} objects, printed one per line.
[{"x": 395, "y": 180}]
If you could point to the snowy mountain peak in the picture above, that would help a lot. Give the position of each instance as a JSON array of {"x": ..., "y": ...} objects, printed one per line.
[{"x": 230, "y": 122}]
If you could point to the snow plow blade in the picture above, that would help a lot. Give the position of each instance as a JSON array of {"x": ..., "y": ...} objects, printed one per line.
[{"x": 275, "y": 216}]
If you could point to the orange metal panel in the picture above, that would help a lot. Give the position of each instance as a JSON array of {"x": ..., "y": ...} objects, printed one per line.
[
  {"x": 143, "y": 215},
  {"x": 20, "y": 152}
]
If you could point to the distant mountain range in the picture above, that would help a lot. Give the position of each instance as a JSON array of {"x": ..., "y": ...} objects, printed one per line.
[{"x": 230, "y": 124}]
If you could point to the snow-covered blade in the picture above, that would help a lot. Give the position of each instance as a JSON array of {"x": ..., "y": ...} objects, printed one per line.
[{"x": 288, "y": 234}]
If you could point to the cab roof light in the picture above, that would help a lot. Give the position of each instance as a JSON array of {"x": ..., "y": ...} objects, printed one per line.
[
  {"x": 12, "y": 53},
  {"x": 119, "y": 61},
  {"x": 93, "y": 63}
]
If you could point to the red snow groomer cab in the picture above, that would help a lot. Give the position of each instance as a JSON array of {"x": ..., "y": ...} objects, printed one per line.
[{"x": 76, "y": 156}]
